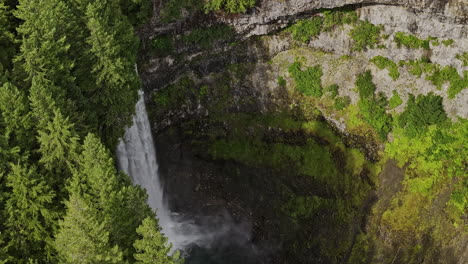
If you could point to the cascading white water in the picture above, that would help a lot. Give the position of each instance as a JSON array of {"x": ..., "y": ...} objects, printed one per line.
[{"x": 137, "y": 157}]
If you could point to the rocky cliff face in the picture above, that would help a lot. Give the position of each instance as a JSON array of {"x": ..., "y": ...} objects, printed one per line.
[
  {"x": 218, "y": 106},
  {"x": 272, "y": 15}
]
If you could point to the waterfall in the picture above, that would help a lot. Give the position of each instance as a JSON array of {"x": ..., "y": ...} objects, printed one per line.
[{"x": 137, "y": 157}]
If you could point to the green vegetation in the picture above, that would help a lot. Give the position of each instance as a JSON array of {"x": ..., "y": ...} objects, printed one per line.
[
  {"x": 448, "y": 42},
  {"x": 395, "y": 100},
  {"x": 137, "y": 11},
  {"x": 338, "y": 17},
  {"x": 332, "y": 90},
  {"x": 230, "y": 6},
  {"x": 281, "y": 81},
  {"x": 307, "y": 29},
  {"x": 162, "y": 45},
  {"x": 7, "y": 39},
  {"x": 410, "y": 41},
  {"x": 153, "y": 247},
  {"x": 373, "y": 107},
  {"x": 342, "y": 102},
  {"x": 386, "y": 63},
  {"x": 173, "y": 95},
  {"x": 66, "y": 96},
  {"x": 172, "y": 9},
  {"x": 434, "y": 158},
  {"x": 463, "y": 57},
  {"x": 438, "y": 75},
  {"x": 365, "y": 35},
  {"x": 205, "y": 37},
  {"x": 304, "y": 30},
  {"x": 422, "y": 112},
  {"x": 308, "y": 81}
]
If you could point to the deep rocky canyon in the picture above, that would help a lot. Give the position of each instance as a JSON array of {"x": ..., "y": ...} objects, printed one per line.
[{"x": 233, "y": 138}]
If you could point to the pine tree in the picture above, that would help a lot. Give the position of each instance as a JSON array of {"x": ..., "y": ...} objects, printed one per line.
[
  {"x": 7, "y": 45},
  {"x": 45, "y": 45},
  {"x": 153, "y": 248},
  {"x": 46, "y": 53},
  {"x": 121, "y": 206},
  {"x": 28, "y": 218},
  {"x": 113, "y": 48},
  {"x": 82, "y": 238},
  {"x": 15, "y": 119},
  {"x": 58, "y": 144}
]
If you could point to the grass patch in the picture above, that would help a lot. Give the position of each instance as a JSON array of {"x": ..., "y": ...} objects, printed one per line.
[{"x": 385, "y": 63}]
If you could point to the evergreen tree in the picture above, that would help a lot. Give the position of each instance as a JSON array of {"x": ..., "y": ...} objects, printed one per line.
[
  {"x": 45, "y": 45},
  {"x": 121, "y": 206},
  {"x": 3, "y": 251},
  {"x": 113, "y": 48},
  {"x": 42, "y": 101},
  {"x": 58, "y": 144},
  {"x": 27, "y": 216},
  {"x": 15, "y": 119},
  {"x": 7, "y": 45},
  {"x": 153, "y": 248},
  {"x": 82, "y": 238}
]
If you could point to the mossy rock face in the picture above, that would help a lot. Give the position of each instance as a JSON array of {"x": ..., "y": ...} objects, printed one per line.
[{"x": 287, "y": 115}]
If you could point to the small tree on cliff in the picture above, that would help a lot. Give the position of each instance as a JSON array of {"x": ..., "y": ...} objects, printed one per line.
[{"x": 153, "y": 248}]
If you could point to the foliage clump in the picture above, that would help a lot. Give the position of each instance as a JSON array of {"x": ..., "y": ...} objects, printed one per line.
[
  {"x": 448, "y": 42},
  {"x": 206, "y": 36},
  {"x": 281, "y": 81},
  {"x": 174, "y": 94},
  {"x": 338, "y": 17},
  {"x": 304, "y": 30},
  {"x": 172, "y": 9},
  {"x": 463, "y": 57},
  {"x": 365, "y": 35},
  {"x": 386, "y": 63},
  {"x": 410, "y": 41},
  {"x": 307, "y": 81},
  {"x": 421, "y": 112},
  {"x": 333, "y": 90},
  {"x": 395, "y": 100},
  {"x": 230, "y": 6},
  {"x": 438, "y": 75},
  {"x": 162, "y": 45},
  {"x": 341, "y": 102},
  {"x": 373, "y": 107}
]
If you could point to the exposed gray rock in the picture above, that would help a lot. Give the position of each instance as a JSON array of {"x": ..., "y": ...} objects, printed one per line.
[{"x": 273, "y": 14}]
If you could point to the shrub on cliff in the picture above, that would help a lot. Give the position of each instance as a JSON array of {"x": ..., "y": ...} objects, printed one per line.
[
  {"x": 230, "y": 6},
  {"x": 365, "y": 34},
  {"x": 307, "y": 81}
]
